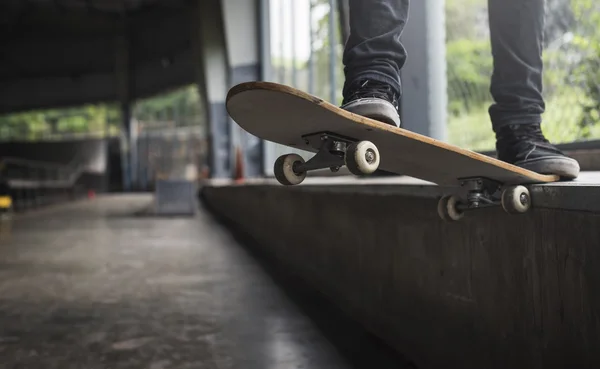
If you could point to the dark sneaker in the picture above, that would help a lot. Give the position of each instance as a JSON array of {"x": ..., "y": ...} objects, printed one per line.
[
  {"x": 373, "y": 99},
  {"x": 524, "y": 145}
]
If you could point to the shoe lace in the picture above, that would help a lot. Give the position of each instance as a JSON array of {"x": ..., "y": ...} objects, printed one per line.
[{"x": 375, "y": 89}]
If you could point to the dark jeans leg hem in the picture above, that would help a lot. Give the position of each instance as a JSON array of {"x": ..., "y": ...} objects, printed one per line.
[
  {"x": 376, "y": 76},
  {"x": 523, "y": 119}
]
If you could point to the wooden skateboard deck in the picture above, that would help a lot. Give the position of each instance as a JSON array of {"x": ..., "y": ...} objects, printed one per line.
[{"x": 285, "y": 115}]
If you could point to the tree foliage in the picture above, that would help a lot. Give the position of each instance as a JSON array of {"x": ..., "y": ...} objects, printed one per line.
[
  {"x": 571, "y": 65},
  {"x": 586, "y": 71},
  {"x": 183, "y": 104},
  {"x": 38, "y": 124}
]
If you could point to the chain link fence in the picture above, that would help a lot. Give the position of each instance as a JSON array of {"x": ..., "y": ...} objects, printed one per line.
[
  {"x": 168, "y": 138},
  {"x": 307, "y": 55},
  {"x": 169, "y": 154},
  {"x": 571, "y": 74}
]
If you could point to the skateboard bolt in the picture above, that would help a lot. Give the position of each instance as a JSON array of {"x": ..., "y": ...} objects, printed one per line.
[
  {"x": 370, "y": 156},
  {"x": 523, "y": 199}
]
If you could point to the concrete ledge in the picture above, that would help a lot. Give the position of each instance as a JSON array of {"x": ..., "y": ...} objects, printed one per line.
[
  {"x": 582, "y": 194},
  {"x": 491, "y": 291}
]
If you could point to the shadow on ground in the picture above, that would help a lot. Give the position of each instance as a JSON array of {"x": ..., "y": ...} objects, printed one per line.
[{"x": 360, "y": 347}]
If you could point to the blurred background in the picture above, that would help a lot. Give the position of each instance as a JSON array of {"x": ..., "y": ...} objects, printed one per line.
[
  {"x": 130, "y": 238},
  {"x": 302, "y": 45}
]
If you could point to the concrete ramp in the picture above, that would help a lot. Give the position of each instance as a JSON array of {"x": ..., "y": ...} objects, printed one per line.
[{"x": 490, "y": 291}]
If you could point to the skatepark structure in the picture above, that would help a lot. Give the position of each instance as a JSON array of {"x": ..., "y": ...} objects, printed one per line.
[{"x": 185, "y": 276}]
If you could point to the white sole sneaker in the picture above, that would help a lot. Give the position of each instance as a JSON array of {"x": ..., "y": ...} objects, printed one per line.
[{"x": 374, "y": 108}]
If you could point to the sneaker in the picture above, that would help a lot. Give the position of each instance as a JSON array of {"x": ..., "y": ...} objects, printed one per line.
[
  {"x": 524, "y": 145},
  {"x": 373, "y": 99}
]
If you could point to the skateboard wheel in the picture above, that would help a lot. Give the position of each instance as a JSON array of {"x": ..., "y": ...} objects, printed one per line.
[
  {"x": 447, "y": 208},
  {"x": 284, "y": 169},
  {"x": 516, "y": 199},
  {"x": 362, "y": 158}
]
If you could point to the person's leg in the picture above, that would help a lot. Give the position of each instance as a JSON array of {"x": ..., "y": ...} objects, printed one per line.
[
  {"x": 517, "y": 31},
  {"x": 373, "y": 57}
]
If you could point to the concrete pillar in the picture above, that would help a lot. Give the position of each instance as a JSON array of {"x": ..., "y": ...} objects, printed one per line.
[
  {"x": 124, "y": 82},
  {"x": 242, "y": 40},
  {"x": 424, "y": 101},
  {"x": 212, "y": 74},
  {"x": 125, "y": 140}
]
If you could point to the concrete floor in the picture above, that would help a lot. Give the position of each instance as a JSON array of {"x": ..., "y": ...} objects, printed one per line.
[{"x": 93, "y": 285}]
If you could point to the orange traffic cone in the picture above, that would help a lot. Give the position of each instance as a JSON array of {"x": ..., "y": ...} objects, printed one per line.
[{"x": 238, "y": 173}]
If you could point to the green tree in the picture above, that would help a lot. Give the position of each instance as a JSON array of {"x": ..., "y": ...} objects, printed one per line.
[
  {"x": 183, "y": 104},
  {"x": 586, "y": 72}
]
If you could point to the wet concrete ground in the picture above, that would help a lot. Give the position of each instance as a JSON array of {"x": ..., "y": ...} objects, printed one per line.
[{"x": 93, "y": 285}]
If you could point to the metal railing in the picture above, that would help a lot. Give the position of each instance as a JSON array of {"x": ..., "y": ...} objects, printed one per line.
[
  {"x": 32, "y": 184},
  {"x": 23, "y": 173}
]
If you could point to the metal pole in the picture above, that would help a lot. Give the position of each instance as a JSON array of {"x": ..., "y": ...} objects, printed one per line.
[
  {"x": 293, "y": 25},
  {"x": 281, "y": 42},
  {"x": 126, "y": 145},
  {"x": 265, "y": 40},
  {"x": 332, "y": 52},
  {"x": 266, "y": 72},
  {"x": 311, "y": 59}
]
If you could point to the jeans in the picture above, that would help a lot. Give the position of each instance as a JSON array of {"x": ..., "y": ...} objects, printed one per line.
[{"x": 374, "y": 51}]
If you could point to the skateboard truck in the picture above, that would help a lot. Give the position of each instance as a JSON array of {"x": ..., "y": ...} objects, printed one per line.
[
  {"x": 334, "y": 151},
  {"x": 479, "y": 193}
]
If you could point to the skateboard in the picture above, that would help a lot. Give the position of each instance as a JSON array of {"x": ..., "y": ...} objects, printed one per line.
[{"x": 291, "y": 117}]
